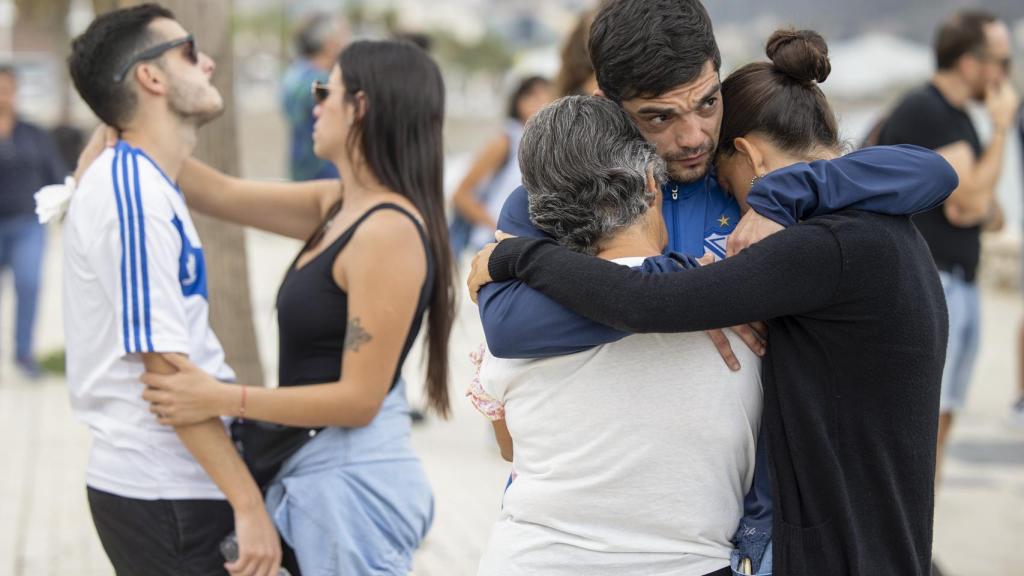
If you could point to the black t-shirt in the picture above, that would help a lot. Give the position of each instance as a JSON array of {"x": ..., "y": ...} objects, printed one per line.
[{"x": 925, "y": 118}]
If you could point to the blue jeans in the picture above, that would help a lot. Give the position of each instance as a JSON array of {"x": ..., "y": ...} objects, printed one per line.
[
  {"x": 964, "y": 332},
  {"x": 22, "y": 239}
]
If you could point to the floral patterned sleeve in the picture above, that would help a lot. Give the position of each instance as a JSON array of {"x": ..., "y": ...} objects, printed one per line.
[{"x": 482, "y": 401}]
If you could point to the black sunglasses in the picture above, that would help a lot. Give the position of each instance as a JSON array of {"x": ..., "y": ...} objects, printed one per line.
[
  {"x": 320, "y": 91},
  {"x": 157, "y": 51}
]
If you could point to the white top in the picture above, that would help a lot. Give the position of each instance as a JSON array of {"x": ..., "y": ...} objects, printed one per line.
[
  {"x": 632, "y": 458},
  {"x": 134, "y": 282}
]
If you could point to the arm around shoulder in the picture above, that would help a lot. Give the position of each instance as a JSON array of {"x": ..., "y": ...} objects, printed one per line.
[
  {"x": 793, "y": 271},
  {"x": 292, "y": 209}
]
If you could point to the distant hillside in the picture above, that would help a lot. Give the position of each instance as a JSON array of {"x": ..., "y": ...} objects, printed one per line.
[{"x": 915, "y": 19}]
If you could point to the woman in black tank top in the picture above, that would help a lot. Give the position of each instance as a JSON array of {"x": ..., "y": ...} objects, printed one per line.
[{"x": 342, "y": 483}]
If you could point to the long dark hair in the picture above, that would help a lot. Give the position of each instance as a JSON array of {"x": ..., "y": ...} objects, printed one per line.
[
  {"x": 400, "y": 137},
  {"x": 781, "y": 99}
]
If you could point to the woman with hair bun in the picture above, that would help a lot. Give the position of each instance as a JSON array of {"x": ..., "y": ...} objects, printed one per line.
[{"x": 854, "y": 308}]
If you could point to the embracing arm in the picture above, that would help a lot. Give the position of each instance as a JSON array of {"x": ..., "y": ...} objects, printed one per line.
[
  {"x": 292, "y": 209},
  {"x": 794, "y": 271},
  {"x": 209, "y": 444},
  {"x": 520, "y": 322},
  {"x": 895, "y": 180}
]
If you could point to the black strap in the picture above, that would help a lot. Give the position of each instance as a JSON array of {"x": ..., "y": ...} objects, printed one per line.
[
  {"x": 420, "y": 304},
  {"x": 343, "y": 240}
]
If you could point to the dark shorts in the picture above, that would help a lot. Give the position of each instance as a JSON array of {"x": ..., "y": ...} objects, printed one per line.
[{"x": 161, "y": 537}]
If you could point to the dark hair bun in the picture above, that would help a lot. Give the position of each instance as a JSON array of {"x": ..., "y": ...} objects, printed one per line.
[{"x": 799, "y": 54}]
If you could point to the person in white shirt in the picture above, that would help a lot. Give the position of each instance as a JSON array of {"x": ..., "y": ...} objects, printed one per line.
[
  {"x": 631, "y": 457},
  {"x": 135, "y": 294}
]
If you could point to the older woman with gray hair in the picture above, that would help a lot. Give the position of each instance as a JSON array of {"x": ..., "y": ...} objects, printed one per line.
[{"x": 631, "y": 457}]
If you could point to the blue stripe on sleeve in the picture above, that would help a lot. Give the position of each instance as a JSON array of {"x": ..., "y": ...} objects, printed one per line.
[
  {"x": 142, "y": 250},
  {"x": 124, "y": 251},
  {"x": 131, "y": 254}
]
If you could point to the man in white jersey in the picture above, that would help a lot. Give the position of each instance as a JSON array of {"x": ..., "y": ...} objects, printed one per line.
[
  {"x": 631, "y": 457},
  {"x": 134, "y": 293}
]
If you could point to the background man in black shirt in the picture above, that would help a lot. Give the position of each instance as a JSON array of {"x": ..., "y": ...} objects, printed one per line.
[{"x": 972, "y": 51}]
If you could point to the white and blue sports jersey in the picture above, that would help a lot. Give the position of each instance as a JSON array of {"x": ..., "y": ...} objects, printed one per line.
[{"x": 134, "y": 282}]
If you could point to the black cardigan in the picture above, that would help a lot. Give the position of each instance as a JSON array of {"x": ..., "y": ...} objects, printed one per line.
[{"x": 858, "y": 328}]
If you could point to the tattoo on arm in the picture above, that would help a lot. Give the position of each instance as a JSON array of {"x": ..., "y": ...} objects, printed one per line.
[{"x": 356, "y": 335}]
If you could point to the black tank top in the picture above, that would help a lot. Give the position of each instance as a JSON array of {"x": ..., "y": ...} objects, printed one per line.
[{"x": 312, "y": 313}]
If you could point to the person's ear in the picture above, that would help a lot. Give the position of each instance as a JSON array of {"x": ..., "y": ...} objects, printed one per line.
[
  {"x": 652, "y": 186},
  {"x": 751, "y": 154},
  {"x": 151, "y": 78},
  {"x": 599, "y": 93},
  {"x": 969, "y": 65},
  {"x": 361, "y": 105}
]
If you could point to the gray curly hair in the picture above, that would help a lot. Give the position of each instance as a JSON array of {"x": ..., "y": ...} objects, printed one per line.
[{"x": 584, "y": 165}]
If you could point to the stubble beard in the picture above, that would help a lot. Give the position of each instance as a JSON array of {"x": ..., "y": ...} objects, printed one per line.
[
  {"x": 688, "y": 174},
  {"x": 193, "y": 106}
]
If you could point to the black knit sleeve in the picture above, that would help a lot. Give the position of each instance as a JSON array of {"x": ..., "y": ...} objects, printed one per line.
[{"x": 794, "y": 271}]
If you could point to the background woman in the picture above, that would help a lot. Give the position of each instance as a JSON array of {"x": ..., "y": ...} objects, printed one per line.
[{"x": 495, "y": 171}]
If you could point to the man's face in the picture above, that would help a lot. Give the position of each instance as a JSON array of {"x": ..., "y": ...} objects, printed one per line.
[
  {"x": 993, "y": 61},
  {"x": 335, "y": 41},
  {"x": 8, "y": 94},
  {"x": 683, "y": 124},
  {"x": 191, "y": 95}
]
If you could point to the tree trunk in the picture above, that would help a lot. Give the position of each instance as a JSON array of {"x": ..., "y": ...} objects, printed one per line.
[
  {"x": 224, "y": 244},
  {"x": 41, "y": 26}
]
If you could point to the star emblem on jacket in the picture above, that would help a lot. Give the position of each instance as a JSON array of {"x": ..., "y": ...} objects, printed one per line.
[{"x": 723, "y": 221}]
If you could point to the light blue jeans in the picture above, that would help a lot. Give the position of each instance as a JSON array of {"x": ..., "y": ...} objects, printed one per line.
[
  {"x": 355, "y": 501},
  {"x": 22, "y": 239},
  {"x": 964, "y": 307}
]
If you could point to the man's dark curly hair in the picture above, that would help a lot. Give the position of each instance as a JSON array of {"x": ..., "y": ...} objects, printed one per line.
[
  {"x": 103, "y": 50},
  {"x": 643, "y": 48}
]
